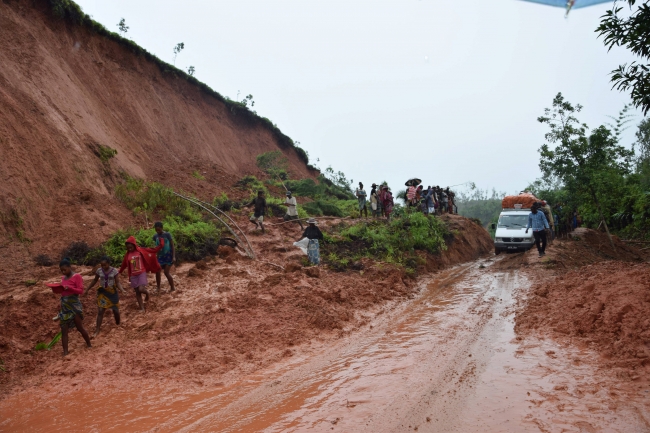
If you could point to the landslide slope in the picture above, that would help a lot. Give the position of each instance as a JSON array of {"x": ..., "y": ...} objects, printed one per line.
[{"x": 66, "y": 90}]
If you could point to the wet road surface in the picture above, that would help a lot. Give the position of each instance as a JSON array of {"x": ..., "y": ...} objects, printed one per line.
[{"x": 446, "y": 361}]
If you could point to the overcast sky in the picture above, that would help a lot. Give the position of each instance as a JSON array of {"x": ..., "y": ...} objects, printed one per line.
[{"x": 448, "y": 91}]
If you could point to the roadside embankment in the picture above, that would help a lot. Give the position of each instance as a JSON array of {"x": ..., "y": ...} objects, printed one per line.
[{"x": 589, "y": 295}]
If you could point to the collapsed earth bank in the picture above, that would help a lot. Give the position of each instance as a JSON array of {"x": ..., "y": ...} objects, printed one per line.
[
  {"x": 588, "y": 295},
  {"x": 71, "y": 97},
  {"x": 231, "y": 315}
]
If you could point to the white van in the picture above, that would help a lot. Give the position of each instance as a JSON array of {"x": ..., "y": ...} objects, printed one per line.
[{"x": 511, "y": 231}]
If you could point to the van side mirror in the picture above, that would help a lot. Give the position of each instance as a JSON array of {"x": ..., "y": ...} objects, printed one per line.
[{"x": 494, "y": 226}]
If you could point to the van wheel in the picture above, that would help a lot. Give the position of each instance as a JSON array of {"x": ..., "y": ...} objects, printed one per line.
[{"x": 497, "y": 251}]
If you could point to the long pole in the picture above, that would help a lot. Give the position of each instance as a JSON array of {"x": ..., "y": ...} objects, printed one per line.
[{"x": 196, "y": 202}]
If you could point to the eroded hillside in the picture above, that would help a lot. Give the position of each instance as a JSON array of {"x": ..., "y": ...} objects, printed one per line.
[{"x": 69, "y": 95}]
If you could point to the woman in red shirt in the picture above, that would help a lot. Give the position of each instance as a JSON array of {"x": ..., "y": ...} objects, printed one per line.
[{"x": 71, "y": 310}]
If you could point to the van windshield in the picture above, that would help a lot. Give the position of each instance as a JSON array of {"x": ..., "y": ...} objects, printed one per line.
[{"x": 513, "y": 221}]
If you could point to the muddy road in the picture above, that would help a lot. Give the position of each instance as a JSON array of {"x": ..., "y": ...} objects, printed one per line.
[{"x": 447, "y": 360}]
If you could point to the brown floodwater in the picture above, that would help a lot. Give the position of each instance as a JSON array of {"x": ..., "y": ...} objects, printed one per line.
[{"x": 446, "y": 361}]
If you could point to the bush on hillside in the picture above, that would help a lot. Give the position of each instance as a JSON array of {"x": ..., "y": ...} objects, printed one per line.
[{"x": 395, "y": 242}]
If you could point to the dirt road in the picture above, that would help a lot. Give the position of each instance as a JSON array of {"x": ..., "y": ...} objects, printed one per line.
[{"x": 446, "y": 361}]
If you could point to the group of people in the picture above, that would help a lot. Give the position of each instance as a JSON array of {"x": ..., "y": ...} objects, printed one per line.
[
  {"x": 137, "y": 261},
  {"x": 433, "y": 200}
]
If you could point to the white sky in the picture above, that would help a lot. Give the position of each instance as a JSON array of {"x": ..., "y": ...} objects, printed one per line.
[{"x": 448, "y": 91}]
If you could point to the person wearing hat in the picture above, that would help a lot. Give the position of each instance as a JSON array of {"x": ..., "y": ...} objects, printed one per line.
[
  {"x": 292, "y": 210},
  {"x": 313, "y": 233},
  {"x": 361, "y": 197}
]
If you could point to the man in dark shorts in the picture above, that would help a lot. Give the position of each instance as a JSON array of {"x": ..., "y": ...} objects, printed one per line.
[{"x": 260, "y": 209}]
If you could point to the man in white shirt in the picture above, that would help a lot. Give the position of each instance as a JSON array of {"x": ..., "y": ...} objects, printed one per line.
[{"x": 292, "y": 210}]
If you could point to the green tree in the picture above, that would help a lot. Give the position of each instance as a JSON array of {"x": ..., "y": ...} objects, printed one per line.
[
  {"x": 177, "y": 49},
  {"x": 642, "y": 146},
  {"x": 191, "y": 70},
  {"x": 586, "y": 165},
  {"x": 122, "y": 27},
  {"x": 633, "y": 33}
]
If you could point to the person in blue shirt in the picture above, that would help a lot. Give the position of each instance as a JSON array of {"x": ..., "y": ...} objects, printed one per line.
[
  {"x": 166, "y": 256},
  {"x": 537, "y": 221}
]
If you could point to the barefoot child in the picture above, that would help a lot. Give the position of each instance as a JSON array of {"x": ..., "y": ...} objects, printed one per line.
[
  {"x": 71, "y": 313},
  {"x": 139, "y": 261},
  {"x": 166, "y": 256},
  {"x": 107, "y": 296}
]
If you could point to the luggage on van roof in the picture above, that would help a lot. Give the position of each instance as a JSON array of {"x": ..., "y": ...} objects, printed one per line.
[{"x": 522, "y": 201}]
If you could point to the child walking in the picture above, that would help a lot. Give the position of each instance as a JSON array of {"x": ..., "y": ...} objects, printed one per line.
[
  {"x": 166, "y": 256},
  {"x": 107, "y": 296},
  {"x": 71, "y": 310},
  {"x": 139, "y": 261}
]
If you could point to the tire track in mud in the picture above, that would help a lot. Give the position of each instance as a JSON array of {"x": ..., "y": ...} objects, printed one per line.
[{"x": 355, "y": 384}]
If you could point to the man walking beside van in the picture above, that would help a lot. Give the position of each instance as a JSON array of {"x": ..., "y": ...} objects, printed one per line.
[{"x": 538, "y": 222}]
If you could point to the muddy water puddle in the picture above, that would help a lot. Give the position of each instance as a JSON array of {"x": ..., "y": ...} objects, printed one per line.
[{"x": 444, "y": 361}]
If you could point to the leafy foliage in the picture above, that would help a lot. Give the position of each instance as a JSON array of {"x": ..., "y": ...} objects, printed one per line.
[
  {"x": 50, "y": 345},
  {"x": 633, "y": 33},
  {"x": 591, "y": 173},
  {"x": 395, "y": 242},
  {"x": 642, "y": 146},
  {"x": 192, "y": 241},
  {"x": 122, "y": 27},
  {"x": 274, "y": 163},
  {"x": 194, "y": 238},
  {"x": 177, "y": 49}
]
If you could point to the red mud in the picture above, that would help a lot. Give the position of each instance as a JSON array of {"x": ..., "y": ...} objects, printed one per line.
[
  {"x": 605, "y": 305},
  {"x": 582, "y": 297},
  {"x": 230, "y": 315}
]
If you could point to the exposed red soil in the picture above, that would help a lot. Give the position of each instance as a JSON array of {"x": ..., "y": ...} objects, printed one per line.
[
  {"x": 583, "y": 297},
  {"x": 471, "y": 243},
  {"x": 64, "y": 91},
  {"x": 230, "y": 315}
]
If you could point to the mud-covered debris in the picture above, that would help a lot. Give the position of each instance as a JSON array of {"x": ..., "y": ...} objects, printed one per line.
[
  {"x": 313, "y": 272},
  {"x": 292, "y": 267}
]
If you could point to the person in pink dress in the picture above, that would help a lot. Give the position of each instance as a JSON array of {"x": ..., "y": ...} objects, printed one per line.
[{"x": 71, "y": 310}]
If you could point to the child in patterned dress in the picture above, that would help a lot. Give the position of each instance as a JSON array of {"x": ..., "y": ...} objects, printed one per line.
[{"x": 107, "y": 296}]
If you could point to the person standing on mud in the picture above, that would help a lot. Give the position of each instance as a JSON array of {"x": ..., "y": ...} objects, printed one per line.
[
  {"x": 166, "y": 256},
  {"x": 107, "y": 296},
  {"x": 138, "y": 261},
  {"x": 314, "y": 235},
  {"x": 71, "y": 313},
  {"x": 260, "y": 209},
  {"x": 361, "y": 197},
  {"x": 537, "y": 221},
  {"x": 292, "y": 210}
]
